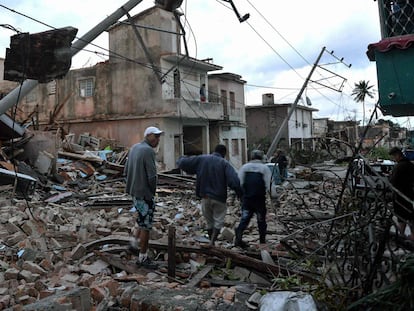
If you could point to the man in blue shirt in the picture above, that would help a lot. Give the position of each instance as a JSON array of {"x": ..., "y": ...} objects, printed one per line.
[
  {"x": 255, "y": 178},
  {"x": 141, "y": 183},
  {"x": 214, "y": 175}
]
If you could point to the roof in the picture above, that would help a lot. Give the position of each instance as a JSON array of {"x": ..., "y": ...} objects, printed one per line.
[
  {"x": 273, "y": 106},
  {"x": 387, "y": 44},
  {"x": 190, "y": 62},
  {"x": 227, "y": 76}
]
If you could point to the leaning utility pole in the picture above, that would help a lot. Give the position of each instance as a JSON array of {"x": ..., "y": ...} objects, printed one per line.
[{"x": 276, "y": 139}]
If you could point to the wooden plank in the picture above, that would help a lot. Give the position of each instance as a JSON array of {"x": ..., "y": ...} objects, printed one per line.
[
  {"x": 200, "y": 275},
  {"x": 171, "y": 251},
  {"x": 238, "y": 258},
  {"x": 80, "y": 157},
  {"x": 118, "y": 262}
]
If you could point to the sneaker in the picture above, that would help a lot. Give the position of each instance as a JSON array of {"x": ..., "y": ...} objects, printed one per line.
[{"x": 147, "y": 263}]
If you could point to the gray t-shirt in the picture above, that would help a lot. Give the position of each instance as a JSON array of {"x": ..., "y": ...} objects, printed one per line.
[{"x": 141, "y": 171}]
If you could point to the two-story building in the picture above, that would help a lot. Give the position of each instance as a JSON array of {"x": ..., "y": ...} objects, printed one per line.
[
  {"x": 146, "y": 81},
  {"x": 264, "y": 121}
]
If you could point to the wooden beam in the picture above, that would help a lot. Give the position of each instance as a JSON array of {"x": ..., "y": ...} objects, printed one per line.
[{"x": 171, "y": 251}]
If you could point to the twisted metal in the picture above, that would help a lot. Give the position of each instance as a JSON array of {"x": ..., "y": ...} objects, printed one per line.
[{"x": 348, "y": 235}]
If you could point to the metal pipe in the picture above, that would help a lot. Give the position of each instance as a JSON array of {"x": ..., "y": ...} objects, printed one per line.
[{"x": 19, "y": 92}]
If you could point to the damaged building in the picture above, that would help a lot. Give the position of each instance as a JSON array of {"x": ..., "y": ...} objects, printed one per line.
[{"x": 147, "y": 80}]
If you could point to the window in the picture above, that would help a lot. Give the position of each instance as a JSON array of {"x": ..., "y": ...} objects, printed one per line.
[
  {"x": 243, "y": 148},
  {"x": 232, "y": 100},
  {"x": 223, "y": 95},
  {"x": 86, "y": 87},
  {"x": 235, "y": 147}
]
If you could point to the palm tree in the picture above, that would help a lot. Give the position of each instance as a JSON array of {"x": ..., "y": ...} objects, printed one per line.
[{"x": 361, "y": 90}]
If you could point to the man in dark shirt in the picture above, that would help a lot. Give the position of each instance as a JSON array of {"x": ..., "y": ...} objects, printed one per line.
[
  {"x": 402, "y": 179},
  {"x": 214, "y": 175},
  {"x": 282, "y": 162}
]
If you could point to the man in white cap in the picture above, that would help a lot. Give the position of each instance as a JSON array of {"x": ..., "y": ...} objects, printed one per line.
[{"x": 141, "y": 183}]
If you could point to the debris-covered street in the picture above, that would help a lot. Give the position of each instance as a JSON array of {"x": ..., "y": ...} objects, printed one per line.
[
  {"x": 66, "y": 242},
  {"x": 66, "y": 237}
]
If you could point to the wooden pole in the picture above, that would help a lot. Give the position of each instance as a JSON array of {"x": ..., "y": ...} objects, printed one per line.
[{"x": 171, "y": 252}]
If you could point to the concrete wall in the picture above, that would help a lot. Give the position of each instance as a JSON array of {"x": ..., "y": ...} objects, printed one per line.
[
  {"x": 300, "y": 124},
  {"x": 263, "y": 124},
  {"x": 320, "y": 127}
]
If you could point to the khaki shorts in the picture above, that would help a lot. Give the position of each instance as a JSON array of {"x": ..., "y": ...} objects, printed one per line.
[{"x": 214, "y": 212}]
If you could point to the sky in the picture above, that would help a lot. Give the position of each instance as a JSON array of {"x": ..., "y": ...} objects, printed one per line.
[{"x": 273, "y": 51}]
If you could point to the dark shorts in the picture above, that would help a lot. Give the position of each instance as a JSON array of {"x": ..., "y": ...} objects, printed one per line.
[{"x": 145, "y": 209}]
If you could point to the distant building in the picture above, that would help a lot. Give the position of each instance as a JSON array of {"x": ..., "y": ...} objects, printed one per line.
[
  {"x": 264, "y": 121},
  {"x": 320, "y": 127},
  {"x": 382, "y": 135}
]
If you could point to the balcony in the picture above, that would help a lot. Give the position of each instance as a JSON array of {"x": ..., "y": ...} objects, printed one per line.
[{"x": 197, "y": 109}]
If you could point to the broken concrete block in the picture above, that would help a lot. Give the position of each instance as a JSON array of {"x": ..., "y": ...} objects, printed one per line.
[
  {"x": 103, "y": 231},
  {"x": 3, "y": 291},
  {"x": 34, "y": 268},
  {"x": 46, "y": 264},
  {"x": 76, "y": 299},
  {"x": 4, "y": 301},
  {"x": 46, "y": 293},
  {"x": 11, "y": 274},
  {"x": 240, "y": 273},
  {"x": 11, "y": 227},
  {"x": 29, "y": 227},
  {"x": 97, "y": 267},
  {"x": 4, "y": 265},
  {"x": 32, "y": 291},
  {"x": 86, "y": 280},
  {"x": 98, "y": 293},
  {"x": 70, "y": 277},
  {"x": 227, "y": 234},
  {"x": 229, "y": 295},
  {"x": 112, "y": 286},
  {"x": 15, "y": 238},
  {"x": 28, "y": 276},
  {"x": 44, "y": 163},
  {"x": 78, "y": 252},
  {"x": 26, "y": 299},
  {"x": 16, "y": 220},
  {"x": 257, "y": 279}
]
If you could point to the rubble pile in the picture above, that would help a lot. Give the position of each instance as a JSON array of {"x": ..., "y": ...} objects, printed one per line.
[{"x": 66, "y": 245}]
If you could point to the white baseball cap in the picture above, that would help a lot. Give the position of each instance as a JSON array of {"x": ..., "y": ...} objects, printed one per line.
[{"x": 152, "y": 130}]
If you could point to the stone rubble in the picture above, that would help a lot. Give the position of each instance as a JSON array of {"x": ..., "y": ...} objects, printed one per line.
[{"x": 47, "y": 261}]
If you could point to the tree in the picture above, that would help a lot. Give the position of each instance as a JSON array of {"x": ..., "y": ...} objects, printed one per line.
[{"x": 360, "y": 92}]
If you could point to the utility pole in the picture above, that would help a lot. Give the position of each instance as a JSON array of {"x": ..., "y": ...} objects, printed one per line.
[{"x": 276, "y": 139}]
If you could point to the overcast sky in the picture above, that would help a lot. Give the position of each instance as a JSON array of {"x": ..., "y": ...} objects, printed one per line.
[{"x": 273, "y": 51}]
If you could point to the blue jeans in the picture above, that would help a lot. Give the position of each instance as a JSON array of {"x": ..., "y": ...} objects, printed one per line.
[{"x": 251, "y": 206}]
